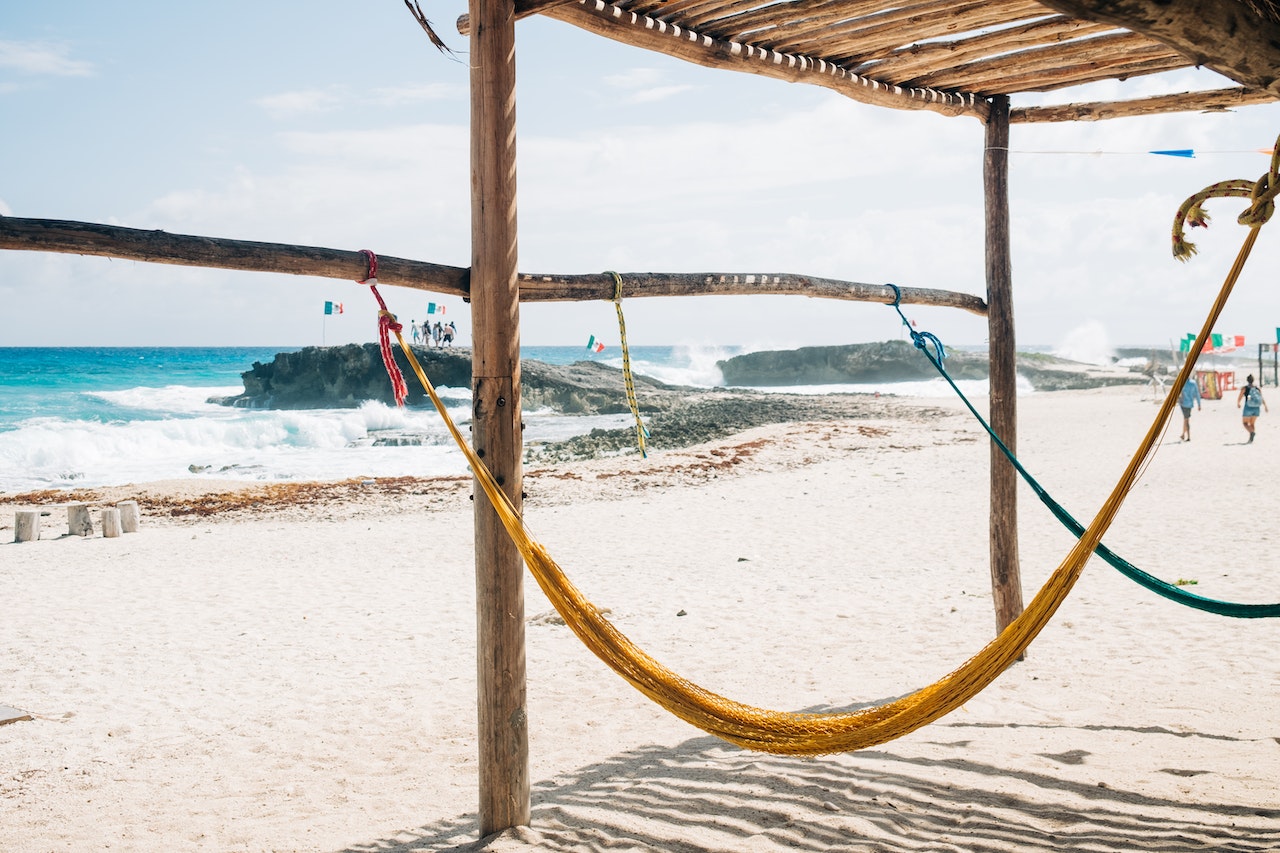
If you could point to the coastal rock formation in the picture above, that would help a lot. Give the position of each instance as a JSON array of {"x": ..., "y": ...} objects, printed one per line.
[
  {"x": 900, "y": 361},
  {"x": 346, "y": 376},
  {"x": 676, "y": 416}
]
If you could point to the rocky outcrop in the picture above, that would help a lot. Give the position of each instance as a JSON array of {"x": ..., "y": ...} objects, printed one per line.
[
  {"x": 900, "y": 361},
  {"x": 346, "y": 376},
  {"x": 341, "y": 377}
]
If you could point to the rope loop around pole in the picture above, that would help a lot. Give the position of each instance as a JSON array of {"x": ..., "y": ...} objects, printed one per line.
[{"x": 371, "y": 270}]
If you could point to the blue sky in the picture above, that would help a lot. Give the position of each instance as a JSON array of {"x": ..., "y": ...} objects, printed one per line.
[{"x": 338, "y": 124}]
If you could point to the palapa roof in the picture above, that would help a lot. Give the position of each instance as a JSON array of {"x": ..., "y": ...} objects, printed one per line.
[{"x": 954, "y": 56}]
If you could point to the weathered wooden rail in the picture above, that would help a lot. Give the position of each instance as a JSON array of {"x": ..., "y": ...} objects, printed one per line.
[{"x": 162, "y": 247}]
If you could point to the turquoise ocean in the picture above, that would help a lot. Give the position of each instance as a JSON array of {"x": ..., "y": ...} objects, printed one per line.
[
  {"x": 96, "y": 416},
  {"x": 86, "y": 416}
]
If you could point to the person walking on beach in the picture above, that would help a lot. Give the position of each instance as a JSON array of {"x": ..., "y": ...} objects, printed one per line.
[
  {"x": 1190, "y": 396},
  {"x": 1250, "y": 398}
]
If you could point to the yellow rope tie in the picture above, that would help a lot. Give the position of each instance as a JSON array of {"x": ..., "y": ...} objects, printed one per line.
[
  {"x": 1261, "y": 193},
  {"x": 791, "y": 733},
  {"x": 641, "y": 432}
]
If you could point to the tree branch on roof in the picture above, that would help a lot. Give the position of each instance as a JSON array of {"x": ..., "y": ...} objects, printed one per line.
[{"x": 1224, "y": 35}]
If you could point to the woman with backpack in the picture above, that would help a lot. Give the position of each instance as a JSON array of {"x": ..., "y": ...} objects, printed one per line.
[{"x": 1251, "y": 399}]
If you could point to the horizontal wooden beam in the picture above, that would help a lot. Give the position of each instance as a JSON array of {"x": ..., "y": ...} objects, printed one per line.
[
  {"x": 1216, "y": 101},
  {"x": 641, "y": 31},
  {"x": 985, "y": 74},
  {"x": 863, "y": 39},
  {"x": 1228, "y": 36},
  {"x": 578, "y": 288},
  {"x": 523, "y": 9},
  {"x": 918, "y": 59},
  {"x": 161, "y": 247}
]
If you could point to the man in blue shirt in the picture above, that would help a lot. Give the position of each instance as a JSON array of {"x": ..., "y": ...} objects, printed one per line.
[{"x": 1190, "y": 396}]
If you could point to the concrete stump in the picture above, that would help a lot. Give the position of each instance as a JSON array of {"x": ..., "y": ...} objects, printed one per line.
[
  {"x": 110, "y": 522},
  {"x": 78, "y": 521},
  {"x": 26, "y": 525},
  {"x": 128, "y": 516}
]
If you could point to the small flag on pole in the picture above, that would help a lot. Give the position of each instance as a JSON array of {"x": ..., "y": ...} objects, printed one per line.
[
  {"x": 593, "y": 345},
  {"x": 333, "y": 308},
  {"x": 433, "y": 308}
]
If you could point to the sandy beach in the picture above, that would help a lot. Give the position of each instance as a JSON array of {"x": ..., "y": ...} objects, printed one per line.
[{"x": 293, "y": 668}]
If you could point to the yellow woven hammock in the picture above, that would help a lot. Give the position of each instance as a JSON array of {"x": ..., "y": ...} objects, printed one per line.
[{"x": 790, "y": 733}]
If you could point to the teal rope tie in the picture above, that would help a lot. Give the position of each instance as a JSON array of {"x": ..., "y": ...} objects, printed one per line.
[{"x": 1129, "y": 570}]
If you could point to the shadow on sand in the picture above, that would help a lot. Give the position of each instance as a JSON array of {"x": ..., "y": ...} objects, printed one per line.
[{"x": 705, "y": 795}]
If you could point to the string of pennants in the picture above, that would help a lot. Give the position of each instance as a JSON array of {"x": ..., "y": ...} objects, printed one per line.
[
  {"x": 1188, "y": 153},
  {"x": 1215, "y": 343},
  {"x": 331, "y": 307}
]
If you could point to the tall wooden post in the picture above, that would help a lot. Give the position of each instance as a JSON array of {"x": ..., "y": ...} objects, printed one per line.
[
  {"x": 1006, "y": 575},
  {"x": 495, "y": 371}
]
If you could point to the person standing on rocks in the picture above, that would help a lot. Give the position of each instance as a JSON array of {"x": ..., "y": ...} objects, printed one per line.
[
  {"x": 1250, "y": 397},
  {"x": 1190, "y": 396}
]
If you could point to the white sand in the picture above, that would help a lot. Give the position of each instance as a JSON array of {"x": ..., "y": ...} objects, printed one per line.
[{"x": 304, "y": 678}]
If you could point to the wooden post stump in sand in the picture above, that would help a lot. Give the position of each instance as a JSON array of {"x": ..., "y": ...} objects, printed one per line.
[
  {"x": 78, "y": 521},
  {"x": 128, "y": 516},
  {"x": 110, "y": 522},
  {"x": 26, "y": 525}
]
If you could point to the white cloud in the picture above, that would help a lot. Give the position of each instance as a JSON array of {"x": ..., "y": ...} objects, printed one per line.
[
  {"x": 290, "y": 104},
  {"x": 657, "y": 93},
  {"x": 646, "y": 85},
  {"x": 42, "y": 58},
  {"x": 399, "y": 95}
]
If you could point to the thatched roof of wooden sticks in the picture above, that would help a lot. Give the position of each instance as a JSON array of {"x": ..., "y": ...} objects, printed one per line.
[{"x": 952, "y": 56}]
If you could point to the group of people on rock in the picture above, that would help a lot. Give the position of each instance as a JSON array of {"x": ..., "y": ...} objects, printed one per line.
[{"x": 440, "y": 335}]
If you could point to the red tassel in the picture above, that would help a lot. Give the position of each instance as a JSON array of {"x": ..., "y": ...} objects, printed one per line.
[{"x": 386, "y": 325}]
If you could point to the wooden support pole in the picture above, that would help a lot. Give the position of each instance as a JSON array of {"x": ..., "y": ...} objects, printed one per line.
[
  {"x": 1006, "y": 575},
  {"x": 496, "y": 420}
]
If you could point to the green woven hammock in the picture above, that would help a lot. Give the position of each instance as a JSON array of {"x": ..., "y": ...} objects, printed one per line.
[
  {"x": 1129, "y": 570},
  {"x": 1261, "y": 194}
]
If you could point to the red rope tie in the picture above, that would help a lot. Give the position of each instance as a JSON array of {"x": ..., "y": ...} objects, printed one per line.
[{"x": 386, "y": 325}]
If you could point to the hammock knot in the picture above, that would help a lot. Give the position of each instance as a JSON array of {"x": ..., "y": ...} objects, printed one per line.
[
  {"x": 920, "y": 339},
  {"x": 387, "y": 319}
]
